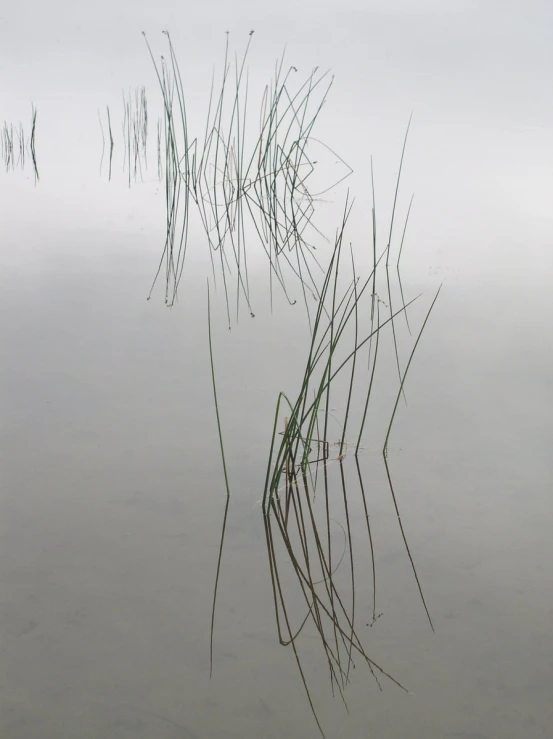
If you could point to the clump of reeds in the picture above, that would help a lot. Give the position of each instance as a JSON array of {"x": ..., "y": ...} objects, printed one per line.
[
  {"x": 135, "y": 133},
  {"x": 298, "y": 536},
  {"x": 301, "y": 450},
  {"x": 329, "y": 353},
  {"x": 298, "y": 522},
  {"x": 7, "y": 139},
  {"x": 134, "y": 127},
  {"x": 14, "y": 146},
  {"x": 240, "y": 180}
]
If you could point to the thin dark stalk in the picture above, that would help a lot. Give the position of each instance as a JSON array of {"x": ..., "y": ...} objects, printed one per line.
[
  {"x": 356, "y": 335},
  {"x": 111, "y": 143},
  {"x": 352, "y": 573},
  {"x": 369, "y": 531},
  {"x": 220, "y": 433},
  {"x": 103, "y": 142},
  {"x": 404, "y": 230},
  {"x": 398, "y": 259},
  {"x": 33, "y": 139},
  {"x": 363, "y": 420},
  {"x": 216, "y": 585},
  {"x": 385, "y": 455}
]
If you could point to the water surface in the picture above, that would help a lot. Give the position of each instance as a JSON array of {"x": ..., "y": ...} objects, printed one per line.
[{"x": 112, "y": 502}]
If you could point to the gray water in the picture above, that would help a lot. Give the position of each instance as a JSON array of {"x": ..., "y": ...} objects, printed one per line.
[
  {"x": 111, "y": 487},
  {"x": 112, "y": 503}
]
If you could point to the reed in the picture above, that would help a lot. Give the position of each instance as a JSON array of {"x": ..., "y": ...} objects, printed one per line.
[
  {"x": 241, "y": 180},
  {"x": 15, "y": 148},
  {"x": 242, "y": 184}
]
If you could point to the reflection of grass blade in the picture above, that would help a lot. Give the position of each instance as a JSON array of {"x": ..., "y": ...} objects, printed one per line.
[
  {"x": 292, "y": 638},
  {"x": 269, "y": 174},
  {"x": 369, "y": 530},
  {"x": 297, "y": 531},
  {"x": 385, "y": 455},
  {"x": 15, "y": 148},
  {"x": 352, "y": 573},
  {"x": 33, "y": 149},
  {"x": 404, "y": 536},
  {"x": 216, "y": 585},
  {"x": 220, "y": 433}
]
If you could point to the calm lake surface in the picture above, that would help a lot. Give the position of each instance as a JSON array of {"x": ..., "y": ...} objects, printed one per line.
[
  {"x": 112, "y": 494},
  {"x": 112, "y": 504}
]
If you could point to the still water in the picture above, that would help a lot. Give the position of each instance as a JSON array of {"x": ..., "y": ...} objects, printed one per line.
[
  {"x": 112, "y": 501},
  {"x": 112, "y": 496}
]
